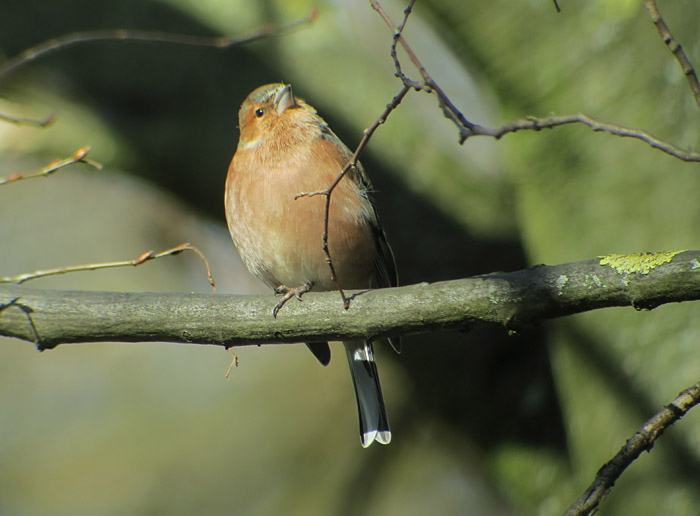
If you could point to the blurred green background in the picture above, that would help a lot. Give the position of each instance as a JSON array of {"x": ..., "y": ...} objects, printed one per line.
[{"x": 484, "y": 423}]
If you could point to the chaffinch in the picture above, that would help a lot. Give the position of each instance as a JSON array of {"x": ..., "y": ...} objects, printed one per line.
[{"x": 285, "y": 149}]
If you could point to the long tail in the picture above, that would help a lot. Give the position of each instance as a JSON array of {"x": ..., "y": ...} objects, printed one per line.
[{"x": 374, "y": 425}]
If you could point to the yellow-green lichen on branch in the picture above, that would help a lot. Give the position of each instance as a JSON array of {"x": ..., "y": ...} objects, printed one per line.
[{"x": 640, "y": 263}]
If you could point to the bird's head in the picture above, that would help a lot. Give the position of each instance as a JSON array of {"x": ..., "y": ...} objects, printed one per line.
[{"x": 271, "y": 112}]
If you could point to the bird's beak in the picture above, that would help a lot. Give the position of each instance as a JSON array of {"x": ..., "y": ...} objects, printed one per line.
[{"x": 284, "y": 99}]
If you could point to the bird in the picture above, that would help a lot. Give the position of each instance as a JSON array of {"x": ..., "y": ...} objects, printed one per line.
[{"x": 286, "y": 149}]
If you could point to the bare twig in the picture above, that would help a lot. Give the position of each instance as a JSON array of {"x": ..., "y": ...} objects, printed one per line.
[
  {"x": 449, "y": 110},
  {"x": 675, "y": 48},
  {"x": 556, "y": 6},
  {"x": 77, "y": 157},
  {"x": 44, "y": 122},
  {"x": 352, "y": 163},
  {"x": 468, "y": 129},
  {"x": 52, "y": 45},
  {"x": 145, "y": 257},
  {"x": 234, "y": 362},
  {"x": 537, "y": 124},
  {"x": 397, "y": 64},
  {"x": 643, "y": 440}
]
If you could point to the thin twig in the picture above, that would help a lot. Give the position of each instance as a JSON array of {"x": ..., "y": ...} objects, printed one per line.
[
  {"x": 468, "y": 129},
  {"x": 449, "y": 110},
  {"x": 537, "y": 124},
  {"x": 52, "y": 45},
  {"x": 556, "y": 6},
  {"x": 234, "y": 362},
  {"x": 145, "y": 257},
  {"x": 77, "y": 157},
  {"x": 397, "y": 64},
  {"x": 352, "y": 163},
  {"x": 643, "y": 440},
  {"x": 675, "y": 48},
  {"x": 44, "y": 122}
]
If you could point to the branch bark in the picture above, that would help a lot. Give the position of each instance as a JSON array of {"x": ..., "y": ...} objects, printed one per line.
[{"x": 513, "y": 300}]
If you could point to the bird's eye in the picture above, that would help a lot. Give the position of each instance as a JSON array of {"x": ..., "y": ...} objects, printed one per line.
[{"x": 259, "y": 112}]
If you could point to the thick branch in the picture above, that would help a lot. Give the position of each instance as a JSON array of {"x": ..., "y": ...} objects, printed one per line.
[{"x": 513, "y": 300}]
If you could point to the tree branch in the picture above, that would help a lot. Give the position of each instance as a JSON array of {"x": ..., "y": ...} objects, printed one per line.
[
  {"x": 76, "y": 38},
  {"x": 537, "y": 124},
  {"x": 449, "y": 110},
  {"x": 643, "y": 440},
  {"x": 44, "y": 122},
  {"x": 79, "y": 156},
  {"x": 142, "y": 258},
  {"x": 513, "y": 300},
  {"x": 675, "y": 49},
  {"x": 468, "y": 129}
]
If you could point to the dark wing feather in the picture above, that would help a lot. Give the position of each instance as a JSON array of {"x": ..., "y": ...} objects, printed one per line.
[{"x": 385, "y": 273}]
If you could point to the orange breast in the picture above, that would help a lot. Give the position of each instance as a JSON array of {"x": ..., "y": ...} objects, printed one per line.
[{"x": 280, "y": 238}]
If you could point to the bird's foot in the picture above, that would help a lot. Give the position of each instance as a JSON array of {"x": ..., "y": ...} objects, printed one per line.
[{"x": 288, "y": 293}]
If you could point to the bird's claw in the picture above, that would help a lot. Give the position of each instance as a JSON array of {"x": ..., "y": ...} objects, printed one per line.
[{"x": 288, "y": 293}]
